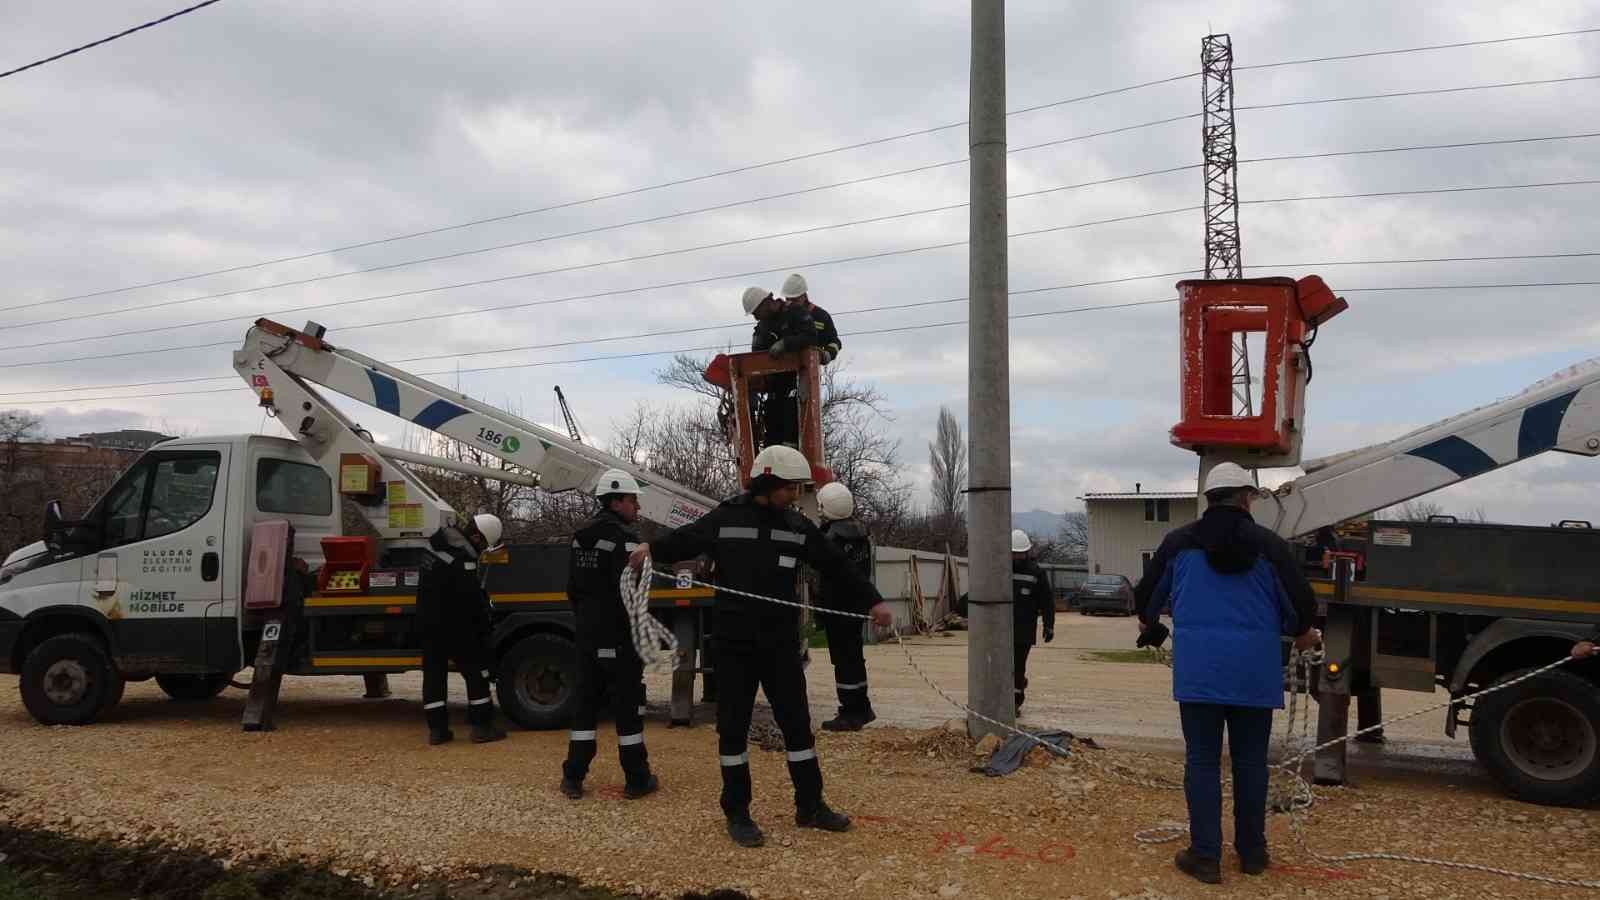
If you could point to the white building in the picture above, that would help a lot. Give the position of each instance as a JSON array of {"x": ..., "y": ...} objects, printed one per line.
[{"x": 1126, "y": 528}]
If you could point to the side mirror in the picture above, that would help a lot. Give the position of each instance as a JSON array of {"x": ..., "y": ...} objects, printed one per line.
[
  {"x": 53, "y": 515},
  {"x": 66, "y": 537}
]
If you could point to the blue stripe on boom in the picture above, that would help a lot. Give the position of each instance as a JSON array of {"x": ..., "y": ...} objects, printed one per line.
[
  {"x": 437, "y": 413},
  {"x": 385, "y": 393},
  {"x": 1456, "y": 454},
  {"x": 1541, "y": 425}
]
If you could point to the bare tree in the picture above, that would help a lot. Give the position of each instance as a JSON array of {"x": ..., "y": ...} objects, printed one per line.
[
  {"x": 681, "y": 443},
  {"x": 947, "y": 459},
  {"x": 1417, "y": 510},
  {"x": 17, "y": 427},
  {"x": 1074, "y": 534}
]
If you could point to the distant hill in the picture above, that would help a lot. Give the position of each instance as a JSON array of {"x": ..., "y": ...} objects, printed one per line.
[{"x": 1038, "y": 522}]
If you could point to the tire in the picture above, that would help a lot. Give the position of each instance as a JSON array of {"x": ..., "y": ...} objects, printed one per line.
[
  {"x": 1541, "y": 739},
  {"x": 538, "y": 683},
  {"x": 67, "y": 679},
  {"x": 193, "y": 688},
  {"x": 114, "y": 692}
]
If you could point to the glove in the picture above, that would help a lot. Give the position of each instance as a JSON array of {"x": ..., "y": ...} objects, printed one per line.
[
  {"x": 1049, "y": 635},
  {"x": 1153, "y": 636},
  {"x": 776, "y": 349},
  {"x": 826, "y": 357}
]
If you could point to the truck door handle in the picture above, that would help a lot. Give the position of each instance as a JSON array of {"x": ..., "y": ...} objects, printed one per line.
[{"x": 209, "y": 564}]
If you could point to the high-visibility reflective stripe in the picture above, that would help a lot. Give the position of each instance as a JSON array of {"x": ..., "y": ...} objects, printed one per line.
[
  {"x": 485, "y": 673},
  {"x": 851, "y": 687},
  {"x": 742, "y": 759},
  {"x": 729, "y": 531},
  {"x": 786, "y": 562},
  {"x": 606, "y": 545},
  {"x": 788, "y": 537},
  {"x": 581, "y": 736},
  {"x": 641, "y": 710},
  {"x": 1026, "y": 591},
  {"x": 576, "y": 544},
  {"x": 471, "y": 567},
  {"x": 802, "y": 755},
  {"x": 606, "y": 653},
  {"x": 478, "y": 702},
  {"x": 434, "y": 705},
  {"x": 630, "y": 546},
  {"x": 628, "y": 740},
  {"x": 1018, "y": 576}
]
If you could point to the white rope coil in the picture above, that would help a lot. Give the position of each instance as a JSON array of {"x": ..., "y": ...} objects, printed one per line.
[{"x": 653, "y": 641}]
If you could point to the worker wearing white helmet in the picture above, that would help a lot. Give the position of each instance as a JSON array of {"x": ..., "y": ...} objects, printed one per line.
[
  {"x": 780, "y": 328},
  {"x": 1030, "y": 601},
  {"x": 453, "y": 617},
  {"x": 844, "y": 634},
  {"x": 607, "y": 660},
  {"x": 1235, "y": 589},
  {"x": 797, "y": 294},
  {"x": 757, "y": 542}
]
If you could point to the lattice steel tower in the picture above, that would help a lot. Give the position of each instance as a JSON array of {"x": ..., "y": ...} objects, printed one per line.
[{"x": 1224, "y": 258}]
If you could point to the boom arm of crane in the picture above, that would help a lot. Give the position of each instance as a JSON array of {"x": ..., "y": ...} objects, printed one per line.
[
  {"x": 284, "y": 367},
  {"x": 1560, "y": 413}
]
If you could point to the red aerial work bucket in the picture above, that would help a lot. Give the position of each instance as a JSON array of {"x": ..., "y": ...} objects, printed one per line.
[{"x": 1279, "y": 313}]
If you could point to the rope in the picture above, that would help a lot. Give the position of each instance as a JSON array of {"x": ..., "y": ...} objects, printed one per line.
[
  {"x": 1300, "y": 797},
  {"x": 652, "y": 640}
]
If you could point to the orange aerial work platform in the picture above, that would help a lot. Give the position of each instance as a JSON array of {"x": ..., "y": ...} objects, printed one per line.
[
  {"x": 744, "y": 376},
  {"x": 1284, "y": 314}
]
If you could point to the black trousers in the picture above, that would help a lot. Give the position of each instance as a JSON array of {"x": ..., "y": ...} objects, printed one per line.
[
  {"x": 615, "y": 672},
  {"x": 741, "y": 668},
  {"x": 464, "y": 647},
  {"x": 780, "y": 415},
  {"x": 849, "y": 662},
  {"x": 1020, "y": 673}
]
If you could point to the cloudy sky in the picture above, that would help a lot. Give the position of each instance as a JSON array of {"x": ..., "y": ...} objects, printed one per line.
[{"x": 255, "y": 131}]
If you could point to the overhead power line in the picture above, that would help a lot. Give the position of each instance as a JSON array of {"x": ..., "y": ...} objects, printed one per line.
[
  {"x": 1452, "y": 46},
  {"x": 106, "y": 40},
  {"x": 895, "y": 307},
  {"x": 167, "y": 328},
  {"x": 763, "y": 165},
  {"x": 857, "y": 334},
  {"x": 1418, "y": 93}
]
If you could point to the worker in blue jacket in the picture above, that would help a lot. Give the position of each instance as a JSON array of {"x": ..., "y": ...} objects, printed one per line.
[{"x": 1234, "y": 589}]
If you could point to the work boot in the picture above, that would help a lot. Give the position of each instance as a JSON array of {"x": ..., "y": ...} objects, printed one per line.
[
  {"x": 1372, "y": 737},
  {"x": 1254, "y": 863},
  {"x": 823, "y": 819},
  {"x": 1198, "y": 868},
  {"x": 487, "y": 733},
  {"x": 437, "y": 736},
  {"x": 850, "y": 720},
  {"x": 633, "y": 791},
  {"x": 745, "y": 832},
  {"x": 572, "y": 788}
]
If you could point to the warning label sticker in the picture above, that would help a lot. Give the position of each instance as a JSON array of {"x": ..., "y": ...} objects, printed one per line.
[{"x": 1391, "y": 537}]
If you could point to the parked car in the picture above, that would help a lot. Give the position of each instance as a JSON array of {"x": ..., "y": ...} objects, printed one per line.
[{"x": 1106, "y": 593}]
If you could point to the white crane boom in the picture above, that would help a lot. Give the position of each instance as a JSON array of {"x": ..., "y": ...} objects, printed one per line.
[
  {"x": 283, "y": 365},
  {"x": 1560, "y": 413}
]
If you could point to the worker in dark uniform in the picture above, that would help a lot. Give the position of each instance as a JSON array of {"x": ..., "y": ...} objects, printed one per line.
[
  {"x": 796, "y": 296},
  {"x": 607, "y": 660},
  {"x": 1030, "y": 601},
  {"x": 844, "y": 634},
  {"x": 758, "y": 541},
  {"x": 452, "y": 616},
  {"x": 779, "y": 329}
]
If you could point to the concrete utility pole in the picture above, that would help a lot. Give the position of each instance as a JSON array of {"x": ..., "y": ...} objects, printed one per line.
[{"x": 989, "y": 638}]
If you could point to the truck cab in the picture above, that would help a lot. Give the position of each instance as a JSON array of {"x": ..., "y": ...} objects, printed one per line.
[{"x": 149, "y": 581}]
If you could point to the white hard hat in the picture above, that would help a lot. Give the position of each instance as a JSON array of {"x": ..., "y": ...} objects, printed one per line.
[
  {"x": 1228, "y": 475},
  {"x": 836, "y": 502},
  {"x": 615, "y": 481},
  {"x": 489, "y": 526},
  {"x": 782, "y": 462},
  {"x": 753, "y": 297},
  {"x": 794, "y": 286},
  {"x": 1020, "y": 542}
]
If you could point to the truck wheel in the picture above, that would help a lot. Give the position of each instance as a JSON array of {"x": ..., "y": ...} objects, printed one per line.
[
  {"x": 193, "y": 688},
  {"x": 538, "y": 683},
  {"x": 114, "y": 692},
  {"x": 66, "y": 680},
  {"x": 1541, "y": 739}
]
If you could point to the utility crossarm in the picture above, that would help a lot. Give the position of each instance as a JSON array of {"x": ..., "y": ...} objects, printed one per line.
[
  {"x": 1560, "y": 413},
  {"x": 285, "y": 367}
]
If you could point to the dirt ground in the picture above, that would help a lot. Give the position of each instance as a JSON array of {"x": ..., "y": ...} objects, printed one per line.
[{"x": 350, "y": 784}]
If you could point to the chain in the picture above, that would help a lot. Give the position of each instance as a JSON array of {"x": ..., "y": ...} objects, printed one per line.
[{"x": 1301, "y": 795}]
